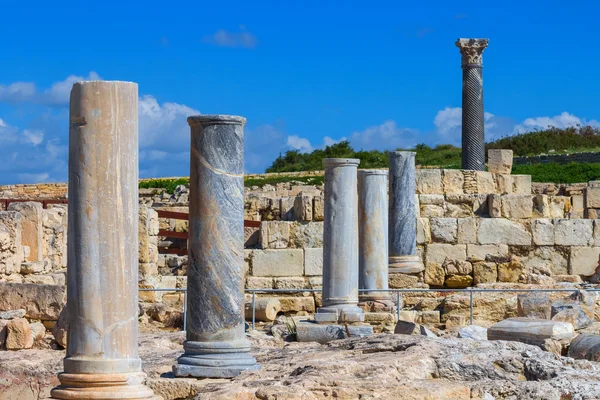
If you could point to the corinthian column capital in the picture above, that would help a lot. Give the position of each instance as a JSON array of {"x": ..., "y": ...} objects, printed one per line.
[{"x": 471, "y": 50}]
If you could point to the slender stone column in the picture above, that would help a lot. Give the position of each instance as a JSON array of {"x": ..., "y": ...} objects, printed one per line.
[
  {"x": 340, "y": 243},
  {"x": 473, "y": 141},
  {"x": 216, "y": 344},
  {"x": 372, "y": 234},
  {"x": 402, "y": 248},
  {"x": 102, "y": 292}
]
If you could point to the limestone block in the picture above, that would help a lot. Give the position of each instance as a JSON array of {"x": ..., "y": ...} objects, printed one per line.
[
  {"x": 485, "y": 182},
  {"x": 146, "y": 270},
  {"x": 423, "y": 231},
  {"x": 510, "y": 271},
  {"x": 274, "y": 234},
  {"x": 265, "y": 309},
  {"x": 546, "y": 260},
  {"x": 444, "y": 230},
  {"x": 297, "y": 304},
  {"x": 11, "y": 249},
  {"x": 291, "y": 282},
  {"x": 573, "y": 232},
  {"x": 575, "y": 316},
  {"x": 458, "y": 210},
  {"x": 434, "y": 274},
  {"x": 559, "y": 206},
  {"x": 31, "y": 227},
  {"x": 541, "y": 206},
  {"x": 467, "y": 230},
  {"x": 503, "y": 231},
  {"x": 593, "y": 213},
  {"x": 517, "y": 206},
  {"x": 42, "y": 302},
  {"x": 530, "y": 331},
  {"x": 521, "y": 184},
  {"x": 303, "y": 208},
  {"x": 323, "y": 334},
  {"x": 577, "y": 203},
  {"x": 596, "y": 233},
  {"x": 283, "y": 262},
  {"x": 543, "y": 232},
  {"x": 592, "y": 197},
  {"x": 18, "y": 335},
  {"x": 495, "y": 205},
  {"x": 459, "y": 281},
  {"x": 313, "y": 261},
  {"x": 483, "y": 252},
  {"x": 453, "y": 181},
  {"x": 585, "y": 347},
  {"x": 54, "y": 225},
  {"x": 500, "y": 161},
  {"x": 436, "y": 199},
  {"x": 402, "y": 281},
  {"x": 429, "y": 181},
  {"x": 287, "y": 208},
  {"x": 38, "y": 331},
  {"x": 437, "y": 252},
  {"x": 584, "y": 260},
  {"x": 431, "y": 210},
  {"x": 306, "y": 235},
  {"x": 504, "y": 183},
  {"x": 430, "y": 317},
  {"x": 318, "y": 208},
  {"x": 39, "y": 279},
  {"x": 36, "y": 267},
  {"x": 534, "y": 305},
  {"x": 455, "y": 321},
  {"x": 473, "y": 332},
  {"x": 12, "y": 314},
  {"x": 586, "y": 301},
  {"x": 408, "y": 316},
  {"x": 484, "y": 272}
]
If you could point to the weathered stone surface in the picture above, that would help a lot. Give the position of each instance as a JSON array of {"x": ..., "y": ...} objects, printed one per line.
[
  {"x": 437, "y": 253},
  {"x": 12, "y": 314},
  {"x": 531, "y": 331},
  {"x": 306, "y": 235},
  {"x": 274, "y": 234},
  {"x": 543, "y": 232},
  {"x": 432, "y": 211},
  {"x": 592, "y": 197},
  {"x": 402, "y": 281},
  {"x": 495, "y": 205},
  {"x": 428, "y": 181},
  {"x": 3, "y": 323},
  {"x": 303, "y": 207},
  {"x": 473, "y": 332},
  {"x": 54, "y": 223},
  {"x": 18, "y": 335},
  {"x": 517, "y": 206},
  {"x": 265, "y": 309},
  {"x": 323, "y": 334},
  {"x": 484, "y": 272},
  {"x": 61, "y": 328},
  {"x": 455, "y": 321},
  {"x": 38, "y": 330},
  {"x": 502, "y": 231},
  {"x": 546, "y": 260},
  {"x": 510, "y": 271},
  {"x": 434, "y": 274},
  {"x": 11, "y": 249},
  {"x": 283, "y": 262},
  {"x": 318, "y": 208},
  {"x": 534, "y": 305},
  {"x": 585, "y": 347},
  {"x": 437, "y": 199},
  {"x": 500, "y": 161},
  {"x": 313, "y": 262},
  {"x": 467, "y": 230},
  {"x": 295, "y": 304},
  {"x": 39, "y": 301},
  {"x": 483, "y": 252},
  {"x": 521, "y": 184},
  {"x": 459, "y": 281},
  {"x": 255, "y": 282},
  {"x": 453, "y": 181},
  {"x": 31, "y": 227},
  {"x": 504, "y": 183},
  {"x": 444, "y": 230},
  {"x": 575, "y": 316},
  {"x": 573, "y": 232},
  {"x": 430, "y": 317},
  {"x": 584, "y": 260},
  {"x": 423, "y": 231}
]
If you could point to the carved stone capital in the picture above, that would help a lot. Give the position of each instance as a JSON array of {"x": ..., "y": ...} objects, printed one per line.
[{"x": 471, "y": 50}]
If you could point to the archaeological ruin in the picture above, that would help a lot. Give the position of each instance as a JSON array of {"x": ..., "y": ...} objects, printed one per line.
[{"x": 399, "y": 283}]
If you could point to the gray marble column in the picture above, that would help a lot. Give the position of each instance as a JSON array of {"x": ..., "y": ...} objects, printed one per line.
[
  {"x": 216, "y": 344},
  {"x": 372, "y": 234},
  {"x": 102, "y": 292},
  {"x": 340, "y": 243},
  {"x": 402, "y": 247},
  {"x": 473, "y": 121}
]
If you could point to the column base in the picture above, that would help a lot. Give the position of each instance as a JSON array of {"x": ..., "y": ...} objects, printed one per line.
[
  {"x": 214, "y": 360},
  {"x": 102, "y": 387},
  {"x": 405, "y": 264},
  {"x": 339, "y": 313}
]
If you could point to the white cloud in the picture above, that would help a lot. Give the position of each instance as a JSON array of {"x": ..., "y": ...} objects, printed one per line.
[
  {"x": 57, "y": 94},
  {"x": 225, "y": 38},
  {"x": 564, "y": 120},
  {"x": 448, "y": 119},
  {"x": 386, "y": 136},
  {"x": 34, "y": 137},
  {"x": 299, "y": 143},
  {"x": 327, "y": 141}
]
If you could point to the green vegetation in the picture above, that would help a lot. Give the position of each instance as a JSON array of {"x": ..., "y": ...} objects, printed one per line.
[
  {"x": 560, "y": 173},
  {"x": 272, "y": 180},
  {"x": 569, "y": 140},
  {"x": 168, "y": 184}
]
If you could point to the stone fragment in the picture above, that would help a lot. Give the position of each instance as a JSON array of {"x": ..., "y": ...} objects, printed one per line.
[
  {"x": 42, "y": 302},
  {"x": 12, "y": 314},
  {"x": 575, "y": 316},
  {"x": 455, "y": 321},
  {"x": 530, "y": 331},
  {"x": 61, "y": 328},
  {"x": 541, "y": 206},
  {"x": 500, "y": 161},
  {"x": 573, "y": 232},
  {"x": 484, "y": 272},
  {"x": 3, "y": 323},
  {"x": 411, "y": 328},
  {"x": 265, "y": 309},
  {"x": 320, "y": 333},
  {"x": 586, "y": 301},
  {"x": 459, "y": 281},
  {"x": 521, "y": 184},
  {"x": 474, "y": 332},
  {"x": 584, "y": 260},
  {"x": 318, "y": 208},
  {"x": 402, "y": 281},
  {"x": 444, "y": 230},
  {"x": 274, "y": 234},
  {"x": 303, "y": 207},
  {"x": 11, "y": 254},
  {"x": 283, "y": 262},
  {"x": 432, "y": 211},
  {"x": 510, "y": 271},
  {"x": 503, "y": 231},
  {"x": 517, "y": 206},
  {"x": 504, "y": 183},
  {"x": 585, "y": 347},
  {"x": 18, "y": 335},
  {"x": 430, "y": 317},
  {"x": 31, "y": 227},
  {"x": 534, "y": 305},
  {"x": 423, "y": 231},
  {"x": 408, "y": 315},
  {"x": 434, "y": 274},
  {"x": 495, "y": 205},
  {"x": 543, "y": 232},
  {"x": 38, "y": 330}
]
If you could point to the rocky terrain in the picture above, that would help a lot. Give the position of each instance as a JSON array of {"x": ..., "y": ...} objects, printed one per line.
[{"x": 378, "y": 367}]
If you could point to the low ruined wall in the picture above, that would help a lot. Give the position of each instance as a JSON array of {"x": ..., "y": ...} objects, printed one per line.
[{"x": 34, "y": 191}]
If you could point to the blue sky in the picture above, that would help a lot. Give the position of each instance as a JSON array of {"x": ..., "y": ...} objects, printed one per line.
[{"x": 305, "y": 74}]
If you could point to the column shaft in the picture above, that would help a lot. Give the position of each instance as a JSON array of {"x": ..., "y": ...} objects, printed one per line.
[
  {"x": 373, "y": 234},
  {"x": 402, "y": 248},
  {"x": 340, "y": 243},
  {"x": 216, "y": 345},
  {"x": 102, "y": 298}
]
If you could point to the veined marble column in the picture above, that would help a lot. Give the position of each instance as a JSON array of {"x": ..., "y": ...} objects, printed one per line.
[
  {"x": 340, "y": 243},
  {"x": 402, "y": 247},
  {"x": 102, "y": 292},
  {"x": 216, "y": 344},
  {"x": 373, "y": 235},
  {"x": 473, "y": 140}
]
